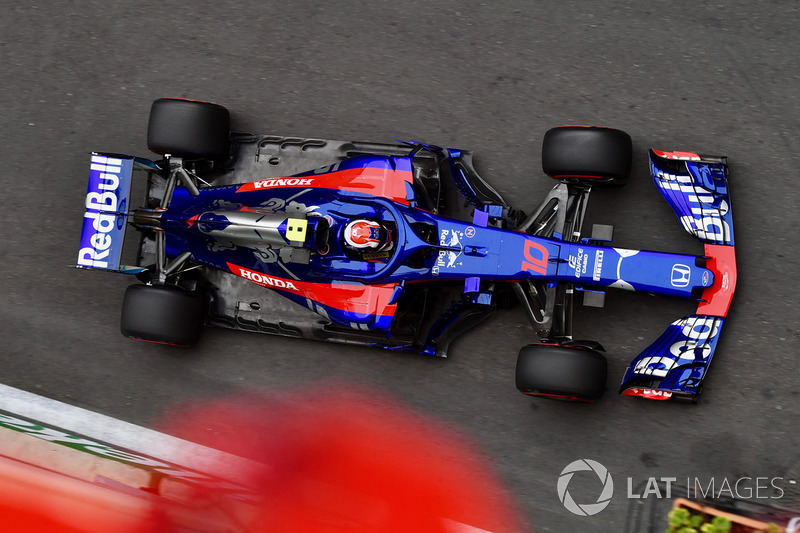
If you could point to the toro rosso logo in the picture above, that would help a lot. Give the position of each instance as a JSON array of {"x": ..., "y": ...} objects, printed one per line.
[{"x": 680, "y": 275}]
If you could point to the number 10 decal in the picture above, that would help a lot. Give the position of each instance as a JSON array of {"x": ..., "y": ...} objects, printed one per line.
[{"x": 532, "y": 260}]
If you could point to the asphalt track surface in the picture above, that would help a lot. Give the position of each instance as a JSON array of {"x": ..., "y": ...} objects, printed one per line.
[{"x": 718, "y": 78}]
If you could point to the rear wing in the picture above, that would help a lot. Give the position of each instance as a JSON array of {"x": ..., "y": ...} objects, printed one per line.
[
  {"x": 676, "y": 363},
  {"x": 107, "y": 209}
]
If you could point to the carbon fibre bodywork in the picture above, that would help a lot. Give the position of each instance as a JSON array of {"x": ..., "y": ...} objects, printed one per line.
[{"x": 422, "y": 316}]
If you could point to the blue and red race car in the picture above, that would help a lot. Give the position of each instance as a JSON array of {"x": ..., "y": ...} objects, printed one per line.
[{"x": 401, "y": 246}]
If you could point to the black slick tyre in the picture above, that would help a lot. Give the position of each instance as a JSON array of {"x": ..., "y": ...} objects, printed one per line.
[
  {"x": 163, "y": 315},
  {"x": 591, "y": 154},
  {"x": 561, "y": 372},
  {"x": 189, "y": 129}
]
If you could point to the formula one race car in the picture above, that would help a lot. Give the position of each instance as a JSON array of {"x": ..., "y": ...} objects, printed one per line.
[{"x": 401, "y": 246}]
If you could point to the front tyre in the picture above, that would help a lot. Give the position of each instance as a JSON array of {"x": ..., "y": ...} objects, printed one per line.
[
  {"x": 561, "y": 372},
  {"x": 589, "y": 154},
  {"x": 163, "y": 315}
]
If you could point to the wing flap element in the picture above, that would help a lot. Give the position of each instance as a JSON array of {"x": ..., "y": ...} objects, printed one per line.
[
  {"x": 677, "y": 361},
  {"x": 697, "y": 190}
]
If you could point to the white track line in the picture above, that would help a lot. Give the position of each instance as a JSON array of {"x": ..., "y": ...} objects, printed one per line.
[{"x": 119, "y": 433}]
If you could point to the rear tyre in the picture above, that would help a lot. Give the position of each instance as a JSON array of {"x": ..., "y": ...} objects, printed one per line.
[
  {"x": 590, "y": 154},
  {"x": 561, "y": 372},
  {"x": 189, "y": 129},
  {"x": 162, "y": 314}
]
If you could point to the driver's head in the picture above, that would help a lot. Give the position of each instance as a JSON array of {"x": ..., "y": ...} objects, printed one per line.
[{"x": 365, "y": 234}]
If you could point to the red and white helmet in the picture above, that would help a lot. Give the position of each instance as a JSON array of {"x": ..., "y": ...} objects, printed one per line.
[{"x": 365, "y": 234}]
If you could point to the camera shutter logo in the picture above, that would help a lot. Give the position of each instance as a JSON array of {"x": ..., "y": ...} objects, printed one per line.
[{"x": 603, "y": 500}]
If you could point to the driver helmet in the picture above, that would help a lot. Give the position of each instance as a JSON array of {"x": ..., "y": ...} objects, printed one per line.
[{"x": 366, "y": 235}]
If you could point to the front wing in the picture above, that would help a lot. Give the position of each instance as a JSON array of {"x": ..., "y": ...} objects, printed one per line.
[{"x": 677, "y": 362}]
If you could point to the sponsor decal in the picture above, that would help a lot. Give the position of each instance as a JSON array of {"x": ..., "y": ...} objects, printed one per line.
[
  {"x": 108, "y": 171},
  {"x": 469, "y": 232},
  {"x": 369, "y": 305},
  {"x": 680, "y": 276},
  {"x": 708, "y": 211},
  {"x": 282, "y": 182},
  {"x": 451, "y": 259},
  {"x": 449, "y": 238},
  {"x": 382, "y": 180},
  {"x": 580, "y": 263},
  {"x": 447, "y": 258},
  {"x": 265, "y": 280},
  {"x": 97, "y": 254},
  {"x": 598, "y": 265},
  {"x": 711, "y": 227},
  {"x": 695, "y": 345},
  {"x": 109, "y": 181}
]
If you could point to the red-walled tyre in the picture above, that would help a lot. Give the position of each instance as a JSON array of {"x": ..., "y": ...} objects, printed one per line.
[
  {"x": 590, "y": 154},
  {"x": 163, "y": 315},
  {"x": 561, "y": 372},
  {"x": 189, "y": 129}
]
